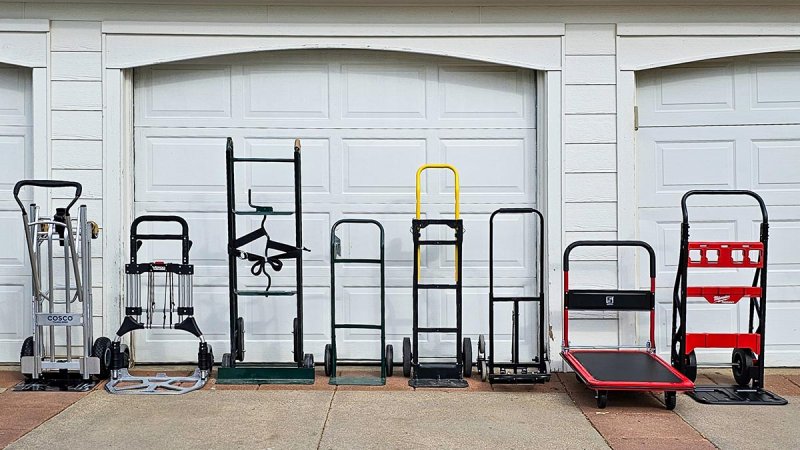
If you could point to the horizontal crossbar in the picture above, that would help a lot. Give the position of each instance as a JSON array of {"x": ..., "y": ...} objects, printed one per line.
[
  {"x": 361, "y": 326},
  {"x": 723, "y": 340},
  {"x": 723, "y": 294},
  {"x": 437, "y": 286},
  {"x": 516, "y": 299},
  {"x": 357, "y": 261},
  {"x": 436, "y": 330}
]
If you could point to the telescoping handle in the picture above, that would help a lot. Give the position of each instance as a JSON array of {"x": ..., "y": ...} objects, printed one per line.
[
  {"x": 137, "y": 238},
  {"x": 48, "y": 184},
  {"x": 718, "y": 192},
  {"x": 424, "y": 167},
  {"x": 641, "y": 244}
]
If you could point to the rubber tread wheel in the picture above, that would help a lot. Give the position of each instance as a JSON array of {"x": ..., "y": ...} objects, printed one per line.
[
  {"x": 467, "y": 357},
  {"x": 27, "y": 350},
  {"x": 389, "y": 360},
  {"x": 406, "y": 357},
  {"x": 328, "y": 360},
  {"x": 481, "y": 346},
  {"x": 483, "y": 368},
  {"x": 126, "y": 358},
  {"x": 670, "y": 400},
  {"x": 602, "y": 399},
  {"x": 743, "y": 362},
  {"x": 102, "y": 350},
  {"x": 690, "y": 366},
  {"x": 239, "y": 356},
  {"x": 308, "y": 361},
  {"x": 296, "y": 337}
]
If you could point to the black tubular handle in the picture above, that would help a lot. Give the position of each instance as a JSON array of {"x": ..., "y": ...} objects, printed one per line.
[
  {"x": 514, "y": 211},
  {"x": 641, "y": 244},
  {"x": 48, "y": 184},
  {"x": 372, "y": 221},
  {"x": 729, "y": 192},
  {"x": 136, "y": 238}
]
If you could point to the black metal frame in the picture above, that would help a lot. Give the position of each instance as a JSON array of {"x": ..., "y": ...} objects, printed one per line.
[
  {"x": 518, "y": 370},
  {"x": 267, "y": 371},
  {"x": 437, "y": 374},
  {"x": 385, "y": 349},
  {"x": 755, "y": 394}
]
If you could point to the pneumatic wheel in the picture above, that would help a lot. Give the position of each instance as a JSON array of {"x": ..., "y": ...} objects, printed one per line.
[
  {"x": 27, "y": 350},
  {"x": 239, "y": 356},
  {"x": 406, "y": 357},
  {"x": 602, "y": 399},
  {"x": 467, "y": 357},
  {"x": 328, "y": 360},
  {"x": 483, "y": 369},
  {"x": 690, "y": 366},
  {"x": 670, "y": 400},
  {"x": 102, "y": 350},
  {"x": 389, "y": 360},
  {"x": 126, "y": 356},
  {"x": 743, "y": 363}
]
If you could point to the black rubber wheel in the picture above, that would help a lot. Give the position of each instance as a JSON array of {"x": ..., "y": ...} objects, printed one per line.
[
  {"x": 670, "y": 400},
  {"x": 690, "y": 366},
  {"x": 389, "y": 360},
  {"x": 743, "y": 362},
  {"x": 602, "y": 399},
  {"x": 126, "y": 357},
  {"x": 227, "y": 360},
  {"x": 481, "y": 346},
  {"x": 406, "y": 357},
  {"x": 296, "y": 338},
  {"x": 467, "y": 357},
  {"x": 27, "y": 350},
  {"x": 328, "y": 360},
  {"x": 239, "y": 356},
  {"x": 483, "y": 368},
  {"x": 102, "y": 349},
  {"x": 308, "y": 361}
]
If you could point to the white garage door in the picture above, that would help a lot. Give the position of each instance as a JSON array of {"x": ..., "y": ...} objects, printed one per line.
[
  {"x": 725, "y": 124},
  {"x": 15, "y": 152},
  {"x": 367, "y": 120}
]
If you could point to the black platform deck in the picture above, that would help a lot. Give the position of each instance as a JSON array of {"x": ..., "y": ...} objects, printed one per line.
[{"x": 624, "y": 366}]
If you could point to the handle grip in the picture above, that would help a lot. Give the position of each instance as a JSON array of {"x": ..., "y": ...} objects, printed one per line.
[
  {"x": 137, "y": 238},
  {"x": 728, "y": 192},
  {"x": 48, "y": 184},
  {"x": 449, "y": 167},
  {"x": 640, "y": 244}
]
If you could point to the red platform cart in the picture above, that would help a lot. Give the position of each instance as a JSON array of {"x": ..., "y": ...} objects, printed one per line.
[
  {"x": 747, "y": 360},
  {"x": 605, "y": 369}
]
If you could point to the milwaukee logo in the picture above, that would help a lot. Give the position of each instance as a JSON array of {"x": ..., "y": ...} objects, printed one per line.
[
  {"x": 609, "y": 300},
  {"x": 722, "y": 299}
]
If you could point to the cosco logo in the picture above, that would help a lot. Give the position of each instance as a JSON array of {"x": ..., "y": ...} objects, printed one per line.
[{"x": 59, "y": 319}]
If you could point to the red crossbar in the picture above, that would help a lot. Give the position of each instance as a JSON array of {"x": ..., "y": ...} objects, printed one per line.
[
  {"x": 723, "y": 294},
  {"x": 723, "y": 340},
  {"x": 725, "y": 254}
]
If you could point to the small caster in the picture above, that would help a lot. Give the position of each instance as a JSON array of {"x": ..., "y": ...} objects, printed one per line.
[
  {"x": 602, "y": 399},
  {"x": 308, "y": 361},
  {"x": 481, "y": 346},
  {"x": 483, "y": 368},
  {"x": 670, "y": 400},
  {"x": 389, "y": 361},
  {"x": 743, "y": 360},
  {"x": 328, "y": 360},
  {"x": 102, "y": 350},
  {"x": 690, "y": 366},
  {"x": 467, "y": 357},
  {"x": 406, "y": 357}
]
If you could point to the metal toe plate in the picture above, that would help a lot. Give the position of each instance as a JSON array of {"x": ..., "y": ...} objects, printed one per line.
[{"x": 158, "y": 384}]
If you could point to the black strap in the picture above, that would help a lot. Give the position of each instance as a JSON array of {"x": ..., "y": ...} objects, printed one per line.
[{"x": 260, "y": 261}]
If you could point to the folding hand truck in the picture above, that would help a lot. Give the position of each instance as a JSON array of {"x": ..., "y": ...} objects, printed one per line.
[
  {"x": 387, "y": 352},
  {"x": 61, "y": 354},
  {"x": 174, "y": 306},
  {"x": 515, "y": 371},
  {"x": 437, "y": 374},
  {"x": 619, "y": 368},
  {"x": 301, "y": 370},
  {"x": 747, "y": 361}
]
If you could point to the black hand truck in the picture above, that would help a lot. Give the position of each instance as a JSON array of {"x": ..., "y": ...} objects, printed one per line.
[
  {"x": 332, "y": 360},
  {"x": 747, "y": 361},
  {"x": 234, "y": 370},
  {"x": 176, "y": 312},
  {"x": 56, "y": 357},
  {"x": 515, "y": 371},
  {"x": 437, "y": 374},
  {"x": 619, "y": 368}
]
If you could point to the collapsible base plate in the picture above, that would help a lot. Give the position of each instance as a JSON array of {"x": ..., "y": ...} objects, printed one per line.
[
  {"x": 265, "y": 374},
  {"x": 357, "y": 381},
  {"x": 438, "y": 375},
  {"x": 158, "y": 384},
  {"x": 55, "y": 384},
  {"x": 735, "y": 395},
  {"x": 518, "y": 378}
]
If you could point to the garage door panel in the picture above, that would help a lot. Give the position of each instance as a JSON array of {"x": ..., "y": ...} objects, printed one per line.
[
  {"x": 484, "y": 92},
  {"x": 274, "y": 178},
  {"x": 185, "y": 92},
  {"x": 15, "y": 95},
  {"x": 401, "y": 90},
  {"x": 15, "y": 303},
  {"x": 271, "y": 91},
  {"x": 739, "y": 91},
  {"x": 775, "y": 163},
  {"x": 381, "y": 166},
  {"x": 508, "y": 174}
]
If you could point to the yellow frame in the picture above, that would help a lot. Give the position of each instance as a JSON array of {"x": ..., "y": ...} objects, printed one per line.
[{"x": 457, "y": 208}]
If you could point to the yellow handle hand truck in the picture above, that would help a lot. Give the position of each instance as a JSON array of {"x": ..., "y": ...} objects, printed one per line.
[{"x": 448, "y": 373}]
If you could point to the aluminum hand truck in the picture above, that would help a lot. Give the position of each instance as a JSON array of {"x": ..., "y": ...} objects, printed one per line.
[
  {"x": 437, "y": 374},
  {"x": 747, "y": 360},
  {"x": 61, "y": 354},
  {"x": 301, "y": 370},
  {"x": 515, "y": 371},
  {"x": 332, "y": 360},
  {"x": 176, "y": 312},
  {"x": 605, "y": 369}
]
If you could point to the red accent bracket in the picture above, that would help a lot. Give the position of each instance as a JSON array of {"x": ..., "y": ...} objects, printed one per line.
[
  {"x": 723, "y": 294},
  {"x": 723, "y": 340},
  {"x": 726, "y": 254}
]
